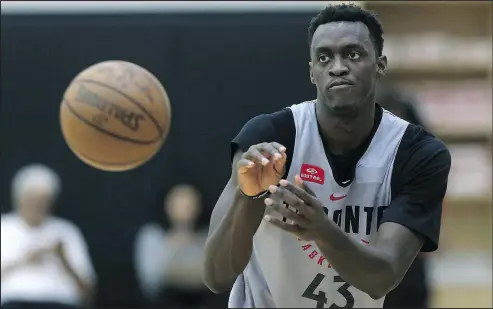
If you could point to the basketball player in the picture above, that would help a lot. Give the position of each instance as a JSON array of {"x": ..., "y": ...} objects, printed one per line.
[{"x": 330, "y": 200}]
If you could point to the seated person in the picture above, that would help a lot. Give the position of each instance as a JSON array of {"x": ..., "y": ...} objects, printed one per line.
[{"x": 44, "y": 259}]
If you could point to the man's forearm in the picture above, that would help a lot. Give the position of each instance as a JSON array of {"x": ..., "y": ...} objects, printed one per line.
[
  {"x": 362, "y": 266},
  {"x": 229, "y": 248}
]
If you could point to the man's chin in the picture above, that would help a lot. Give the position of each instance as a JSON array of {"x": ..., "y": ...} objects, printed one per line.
[{"x": 344, "y": 110}]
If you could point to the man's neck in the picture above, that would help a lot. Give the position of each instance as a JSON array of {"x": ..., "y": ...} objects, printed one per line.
[{"x": 344, "y": 134}]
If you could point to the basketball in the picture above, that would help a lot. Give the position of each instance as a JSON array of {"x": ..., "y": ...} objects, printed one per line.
[{"x": 115, "y": 115}]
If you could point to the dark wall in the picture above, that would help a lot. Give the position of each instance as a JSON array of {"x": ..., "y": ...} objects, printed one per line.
[{"x": 219, "y": 71}]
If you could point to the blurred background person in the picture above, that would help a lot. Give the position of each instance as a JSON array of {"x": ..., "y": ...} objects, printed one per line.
[
  {"x": 399, "y": 102},
  {"x": 169, "y": 260},
  {"x": 44, "y": 259},
  {"x": 414, "y": 290}
]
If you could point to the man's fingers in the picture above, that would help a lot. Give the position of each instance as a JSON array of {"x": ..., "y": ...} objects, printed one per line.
[
  {"x": 271, "y": 149},
  {"x": 279, "y": 165},
  {"x": 301, "y": 184},
  {"x": 254, "y": 154},
  {"x": 265, "y": 153},
  {"x": 244, "y": 165},
  {"x": 286, "y": 212},
  {"x": 282, "y": 160},
  {"x": 279, "y": 147},
  {"x": 289, "y": 198},
  {"x": 308, "y": 198},
  {"x": 288, "y": 227}
]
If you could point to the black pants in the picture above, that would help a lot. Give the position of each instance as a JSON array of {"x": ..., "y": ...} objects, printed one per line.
[
  {"x": 413, "y": 292},
  {"x": 36, "y": 305}
]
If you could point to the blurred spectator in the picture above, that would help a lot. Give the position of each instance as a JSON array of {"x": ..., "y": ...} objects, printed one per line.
[
  {"x": 168, "y": 263},
  {"x": 44, "y": 259},
  {"x": 400, "y": 103},
  {"x": 414, "y": 290}
]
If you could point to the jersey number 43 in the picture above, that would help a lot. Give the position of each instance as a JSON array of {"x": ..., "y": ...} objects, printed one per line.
[{"x": 320, "y": 297}]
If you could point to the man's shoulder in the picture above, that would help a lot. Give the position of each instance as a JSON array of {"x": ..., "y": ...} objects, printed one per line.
[
  {"x": 419, "y": 141},
  {"x": 265, "y": 128},
  {"x": 281, "y": 116},
  {"x": 420, "y": 153}
]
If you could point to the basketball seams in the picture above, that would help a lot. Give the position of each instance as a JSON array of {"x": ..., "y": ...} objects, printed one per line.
[
  {"x": 167, "y": 124},
  {"x": 128, "y": 87},
  {"x": 119, "y": 137},
  {"x": 126, "y": 96}
]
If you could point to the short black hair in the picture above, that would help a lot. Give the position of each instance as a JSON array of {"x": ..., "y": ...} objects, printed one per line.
[{"x": 351, "y": 13}]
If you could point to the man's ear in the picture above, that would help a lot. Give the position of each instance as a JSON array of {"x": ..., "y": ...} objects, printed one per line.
[{"x": 381, "y": 66}]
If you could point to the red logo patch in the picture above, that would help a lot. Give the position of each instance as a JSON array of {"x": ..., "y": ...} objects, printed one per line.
[{"x": 312, "y": 173}]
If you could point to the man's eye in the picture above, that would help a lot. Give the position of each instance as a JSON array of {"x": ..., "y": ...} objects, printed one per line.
[
  {"x": 354, "y": 55},
  {"x": 323, "y": 58}
]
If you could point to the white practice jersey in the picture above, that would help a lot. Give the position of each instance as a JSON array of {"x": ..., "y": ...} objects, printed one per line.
[{"x": 287, "y": 272}]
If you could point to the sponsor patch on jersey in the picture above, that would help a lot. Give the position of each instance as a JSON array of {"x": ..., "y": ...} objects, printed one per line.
[{"x": 312, "y": 173}]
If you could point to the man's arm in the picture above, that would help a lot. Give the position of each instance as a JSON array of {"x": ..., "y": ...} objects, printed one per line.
[
  {"x": 374, "y": 270},
  {"x": 410, "y": 224},
  {"x": 234, "y": 221},
  {"x": 236, "y": 218}
]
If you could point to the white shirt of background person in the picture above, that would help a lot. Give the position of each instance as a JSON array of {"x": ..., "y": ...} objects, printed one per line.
[
  {"x": 43, "y": 258},
  {"x": 172, "y": 258}
]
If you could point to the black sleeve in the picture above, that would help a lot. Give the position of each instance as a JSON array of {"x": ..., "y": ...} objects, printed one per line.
[
  {"x": 419, "y": 183},
  {"x": 276, "y": 127}
]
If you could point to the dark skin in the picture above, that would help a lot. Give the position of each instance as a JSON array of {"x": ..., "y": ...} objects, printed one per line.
[
  {"x": 339, "y": 51},
  {"x": 236, "y": 216},
  {"x": 376, "y": 270},
  {"x": 344, "y": 51}
]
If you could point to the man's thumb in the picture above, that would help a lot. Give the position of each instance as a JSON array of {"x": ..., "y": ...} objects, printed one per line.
[{"x": 300, "y": 183}]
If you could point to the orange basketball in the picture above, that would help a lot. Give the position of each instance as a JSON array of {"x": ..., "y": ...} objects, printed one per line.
[{"x": 115, "y": 115}]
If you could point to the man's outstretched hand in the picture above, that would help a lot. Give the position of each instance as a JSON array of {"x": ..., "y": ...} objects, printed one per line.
[
  {"x": 260, "y": 166},
  {"x": 308, "y": 218}
]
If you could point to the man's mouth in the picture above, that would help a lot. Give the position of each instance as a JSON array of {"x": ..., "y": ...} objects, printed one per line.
[{"x": 340, "y": 84}]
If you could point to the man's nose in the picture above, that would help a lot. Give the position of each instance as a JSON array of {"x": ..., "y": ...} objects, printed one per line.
[{"x": 338, "y": 68}]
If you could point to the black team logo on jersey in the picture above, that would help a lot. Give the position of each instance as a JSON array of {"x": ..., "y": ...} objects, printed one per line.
[{"x": 353, "y": 215}]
